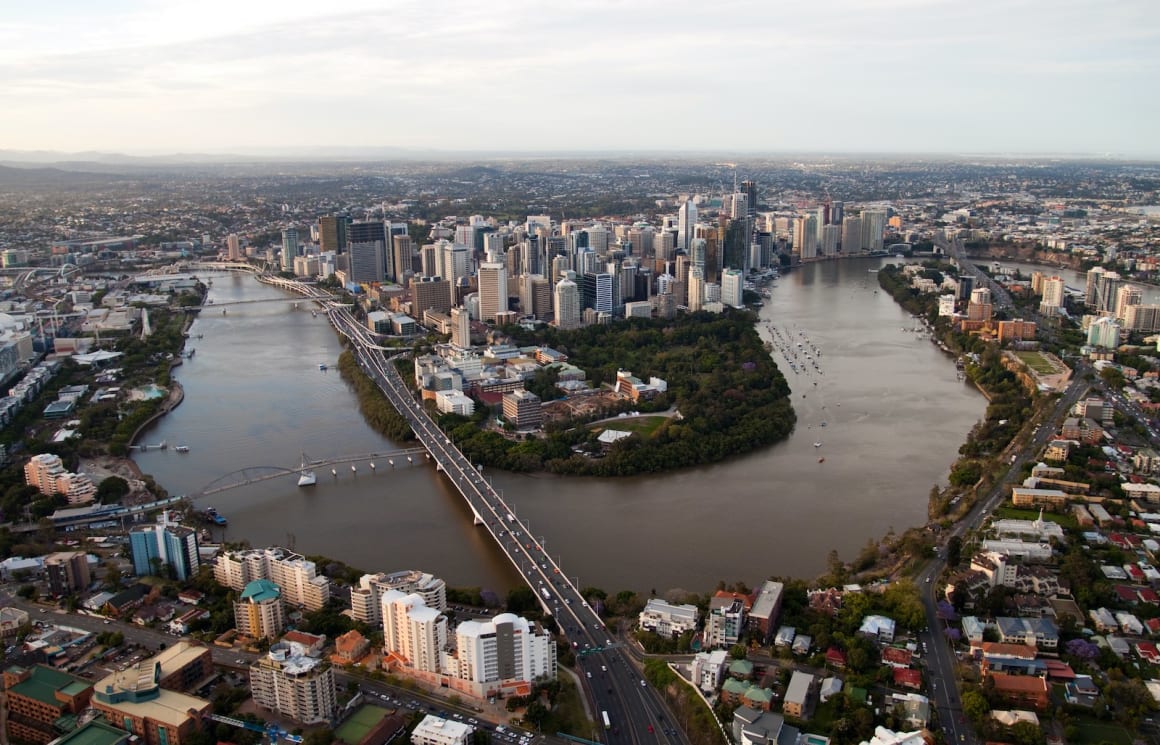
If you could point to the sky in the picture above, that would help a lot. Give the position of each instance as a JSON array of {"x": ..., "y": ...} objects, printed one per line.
[{"x": 829, "y": 76}]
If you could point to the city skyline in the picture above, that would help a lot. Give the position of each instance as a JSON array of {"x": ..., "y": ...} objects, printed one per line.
[{"x": 884, "y": 76}]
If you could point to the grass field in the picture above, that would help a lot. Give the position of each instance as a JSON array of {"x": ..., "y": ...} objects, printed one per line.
[
  {"x": 642, "y": 425},
  {"x": 360, "y": 723},
  {"x": 1036, "y": 362},
  {"x": 1014, "y": 513},
  {"x": 1093, "y": 733}
]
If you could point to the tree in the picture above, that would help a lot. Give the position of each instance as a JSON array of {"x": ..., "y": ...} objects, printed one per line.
[
  {"x": 112, "y": 489},
  {"x": 737, "y": 651},
  {"x": 954, "y": 551},
  {"x": 323, "y": 736},
  {"x": 975, "y": 705},
  {"x": 28, "y": 592}
]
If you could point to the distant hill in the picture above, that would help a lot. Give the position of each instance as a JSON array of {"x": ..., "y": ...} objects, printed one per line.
[{"x": 25, "y": 177}]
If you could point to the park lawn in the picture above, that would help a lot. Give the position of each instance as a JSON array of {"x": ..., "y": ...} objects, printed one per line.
[
  {"x": 1014, "y": 513},
  {"x": 1036, "y": 362},
  {"x": 1093, "y": 733},
  {"x": 641, "y": 425}
]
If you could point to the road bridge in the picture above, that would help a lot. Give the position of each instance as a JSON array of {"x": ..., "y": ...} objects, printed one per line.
[
  {"x": 614, "y": 685},
  {"x": 636, "y": 711},
  {"x": 255, "y": 474}
]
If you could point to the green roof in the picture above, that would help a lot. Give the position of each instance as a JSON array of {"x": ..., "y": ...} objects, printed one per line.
[
  {"x": 261, "y": 590},
  {"x": 96, "y": 732},
  {"x": 44, "y": 682},
  {"x": 741, "y": 667},
  {"x": 759, "y": 694},
  {"x": 735, "y": 687},
  {"x": 856, "y": 693}
]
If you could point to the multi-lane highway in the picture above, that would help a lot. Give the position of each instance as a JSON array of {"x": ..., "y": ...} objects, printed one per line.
[{"x": 636, "y": 713}]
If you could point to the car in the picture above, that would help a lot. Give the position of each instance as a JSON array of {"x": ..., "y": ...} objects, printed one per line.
[
  {"x": 642, "y": 683},
  {"x": 589, "y": 674},
  {"x": 650, "y": 729}
]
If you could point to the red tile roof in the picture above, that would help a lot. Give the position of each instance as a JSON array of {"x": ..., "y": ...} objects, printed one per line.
[{"x": 907, "y": 677}]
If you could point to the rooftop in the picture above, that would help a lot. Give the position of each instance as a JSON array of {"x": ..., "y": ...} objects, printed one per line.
[{"x": 44, "y": 682}]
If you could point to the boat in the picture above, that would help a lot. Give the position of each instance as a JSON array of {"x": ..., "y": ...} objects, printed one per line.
[
  {"x": 822, "y": 459},
  {"x": 818, "y": 444},
  {"x": 353, "y": 469},
  {"x": 333, "y": 472},
  {"x": 215, "y": 517},
  {"x": 164, "y": 444},
  {"x": 307, "y": 478},
  {"x": 181, "y": 449},
  {"x": 322, "y": 367}
]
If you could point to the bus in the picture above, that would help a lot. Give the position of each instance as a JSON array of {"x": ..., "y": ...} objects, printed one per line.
[{"x": 607, "y": 724}]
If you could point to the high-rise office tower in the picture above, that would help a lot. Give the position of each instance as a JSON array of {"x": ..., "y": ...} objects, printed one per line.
[
  {"x": 696, "y": 289},
  {"x": 460, "y": 328},
  {"x": 455, "y": 262},
  {"x": 289, "y": 248},
  {"x": 697, "y": 252},
  {"x": 597, "y": 291},
  {"x": 493, "y": 291},
  {"x": 233, "y": 247},
  {"x": 733, "y": 287},
  {"x": 430, "y": 259},
  {"x": 597, "y": 239},
  {"x": 403, "y": 249},
  {"x": 567, "y": 303},
  {"x": 1106, "y": 291},
  {"x": 430, "y": 293},
  {"x": 686, "y": 219},
  {"x": 368, "y": 256},
  {"x": 749, "y": 188},
  {"x": 851, "y": 235},
  {"x": 332, "y": 233},
  {"x": 492, "y": 246}
]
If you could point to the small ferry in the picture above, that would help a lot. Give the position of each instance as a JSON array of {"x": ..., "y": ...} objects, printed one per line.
[
  {"x": 215, "y": 516},
  {"x": 322, "y": 367},
  {"x": 181, "y": 449}
]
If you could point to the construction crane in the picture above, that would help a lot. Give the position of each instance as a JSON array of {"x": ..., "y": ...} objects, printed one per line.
[{"x": 270, "y": 730}]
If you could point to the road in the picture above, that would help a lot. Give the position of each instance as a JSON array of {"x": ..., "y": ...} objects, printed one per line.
[
  {"x": 941, "y": 657},
  {"x": 236, "y": 660},
  {"x": 636, "y": 711}
]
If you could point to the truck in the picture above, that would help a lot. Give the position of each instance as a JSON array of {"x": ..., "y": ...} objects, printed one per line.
[
  {"x": 511, "y": 518},
  {"x": 547, "y": 595},
  {"x": 604, "y": 716}
]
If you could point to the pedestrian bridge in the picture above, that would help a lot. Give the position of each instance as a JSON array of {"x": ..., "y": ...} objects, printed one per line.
[{"x": 255, "y": 474}]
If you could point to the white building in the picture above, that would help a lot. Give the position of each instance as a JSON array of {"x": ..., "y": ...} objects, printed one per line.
[
  {"x": 288, "y": 682},
  {"x": 1104, "y": 332},
  {"x": 297, "y": 577},
  {"x": 367, "y": 598},
  {"x": 434, "y": 730},
  {"x": 946, "y": 305},
  {"x": 505, "y": 649},
  {"x": 883, "y": 736},
  {"x": 454, "y": 402},
  {"x": 412, "y": 631},
  {"x": 708, "y": 669},
  {"x": 493, "y": 290},
  {"x": 668, "y": 620},
  {"x": 732, "y": 287},
  {"x": 567, "y": 304}
]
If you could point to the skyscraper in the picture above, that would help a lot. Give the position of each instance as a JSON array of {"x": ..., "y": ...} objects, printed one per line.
[
  {"x": 233, "y": 247},
  {"x": 289, "y": 248},
  {"x": 873, "y": 226},
  {"x": 805, "y": 236},
  {"x": 460, "y": 328},
  {"x": 732, "y": 287},
  {"x": 567, "y": 304},
  {"x": 430, "y": 293},
  {"x": 851, "y": 235},
  {"x": 1053, "y": 294},
  {"x": 493, "y": 291},
  {"x": 749, "y": 188},
  {"x": 402, "y": 251},
  {"x": 686, "y": 219},
  {"x": 332, "y": 233},
  {"x": 1125, "y": 296},
  {"x": 368, "y": 253}
]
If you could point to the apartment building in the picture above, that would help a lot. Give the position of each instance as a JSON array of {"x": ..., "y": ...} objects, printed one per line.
[
  {"x": 134, "y": 699},
  {"x": 298, "y": 578},
  {"x": 366, "y": 599},
  {"x": 294, "y": 685},
  {"x": 43, "y": 703}
]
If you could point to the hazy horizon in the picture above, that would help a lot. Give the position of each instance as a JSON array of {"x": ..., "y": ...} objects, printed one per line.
[{"x": 832, "y": 77}]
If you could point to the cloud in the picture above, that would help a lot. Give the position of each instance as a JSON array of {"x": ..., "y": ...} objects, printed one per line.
[{"x": 833, "y": 74}]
